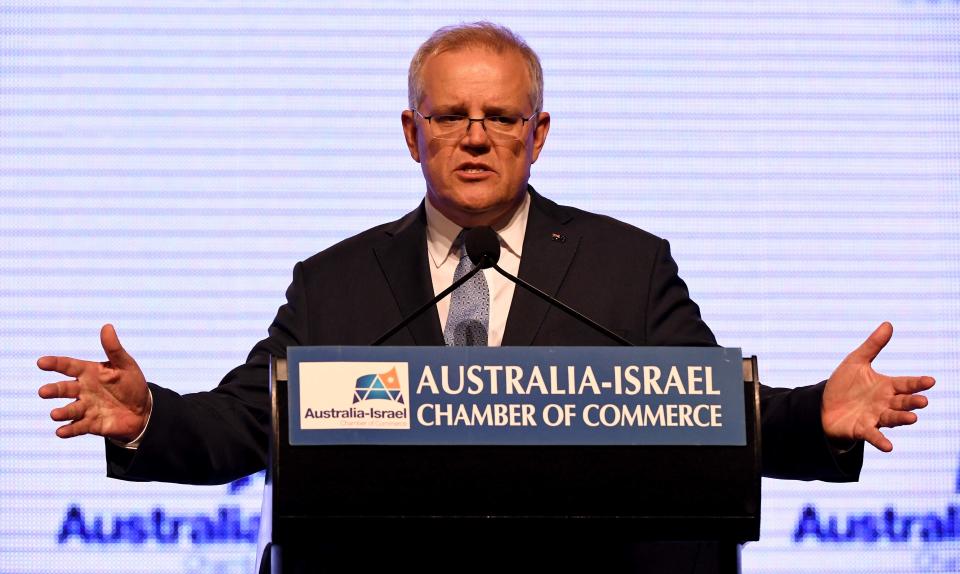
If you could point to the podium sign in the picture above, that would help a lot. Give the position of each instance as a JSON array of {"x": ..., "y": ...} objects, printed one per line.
[{"x": 516, "y": 396}]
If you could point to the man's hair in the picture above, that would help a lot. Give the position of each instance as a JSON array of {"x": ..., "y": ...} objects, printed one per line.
[{"x": 474, "y": 35}]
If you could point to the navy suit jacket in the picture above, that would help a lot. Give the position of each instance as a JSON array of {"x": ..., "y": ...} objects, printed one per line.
[{"x": 351, "y": 293}]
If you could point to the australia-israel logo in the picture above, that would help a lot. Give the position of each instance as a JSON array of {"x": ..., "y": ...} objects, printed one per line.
[
  {"x": 380, "y": 386},
  {"x": 354, "y": 395}
]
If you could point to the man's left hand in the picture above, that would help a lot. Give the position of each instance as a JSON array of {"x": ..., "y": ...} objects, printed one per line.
[{"x": 857, "y": 400}]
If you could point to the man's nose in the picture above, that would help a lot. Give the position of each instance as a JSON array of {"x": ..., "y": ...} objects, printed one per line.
[{"x": 476, "y": 134}]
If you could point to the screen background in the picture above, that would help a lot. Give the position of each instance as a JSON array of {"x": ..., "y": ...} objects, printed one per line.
[{"x": 162, "y": 168}]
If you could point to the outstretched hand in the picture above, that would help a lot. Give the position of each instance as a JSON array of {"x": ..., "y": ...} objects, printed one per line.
[
  {"x": 858, "y": 401},
  {"x": 112, "y": 398}
]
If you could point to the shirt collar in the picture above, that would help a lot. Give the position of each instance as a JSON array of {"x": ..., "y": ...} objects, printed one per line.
[{"x": 441, "y": 232}]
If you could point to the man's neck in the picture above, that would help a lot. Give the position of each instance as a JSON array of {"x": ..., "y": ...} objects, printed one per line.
[{"x": 442, "y": 231}]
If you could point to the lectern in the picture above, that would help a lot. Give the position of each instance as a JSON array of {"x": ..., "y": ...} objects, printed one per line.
[{"x": 482, "y": 507}]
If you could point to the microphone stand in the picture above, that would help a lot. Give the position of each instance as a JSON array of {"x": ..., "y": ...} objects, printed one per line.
[
  {"x": 406, "y": 321},
  {"x": 486, "y": 260},
  {"x": 559, "y": 304}
]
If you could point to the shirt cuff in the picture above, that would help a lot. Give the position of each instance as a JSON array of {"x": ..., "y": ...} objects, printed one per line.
[
  {"x": 132, "y": 445},
  {"x": 841, "y": 448}
]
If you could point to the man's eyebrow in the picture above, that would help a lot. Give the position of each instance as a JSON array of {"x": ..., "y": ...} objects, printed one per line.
[
  {"x": 461, "y": 109},
  {"x": 499, "y": 111},
  {"x": 458, "y": 109}
]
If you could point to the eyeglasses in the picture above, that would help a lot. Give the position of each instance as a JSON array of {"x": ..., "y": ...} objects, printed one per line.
[{"x": 455, "y": 126}]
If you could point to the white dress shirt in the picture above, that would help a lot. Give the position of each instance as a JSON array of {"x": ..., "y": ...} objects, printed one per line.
[{"x": 441, "y": 233}]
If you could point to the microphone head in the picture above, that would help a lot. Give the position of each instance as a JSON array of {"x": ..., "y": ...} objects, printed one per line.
[{"x": 483, "y": 246}]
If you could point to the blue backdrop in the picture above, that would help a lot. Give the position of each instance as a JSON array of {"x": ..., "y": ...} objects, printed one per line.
[{"x": 164, "y": 165}]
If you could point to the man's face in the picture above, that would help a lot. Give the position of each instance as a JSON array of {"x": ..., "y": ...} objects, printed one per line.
[{"x": 472, "y": 179}]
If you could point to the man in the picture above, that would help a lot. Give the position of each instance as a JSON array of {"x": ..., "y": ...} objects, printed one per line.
[{"x": 475, "y": 125}]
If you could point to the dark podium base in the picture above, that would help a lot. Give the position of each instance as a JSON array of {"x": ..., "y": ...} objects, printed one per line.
[{"x": 383, "y": 552}]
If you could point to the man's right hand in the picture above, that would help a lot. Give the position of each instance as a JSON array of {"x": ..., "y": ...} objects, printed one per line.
[{"x": 112, "y": 397}]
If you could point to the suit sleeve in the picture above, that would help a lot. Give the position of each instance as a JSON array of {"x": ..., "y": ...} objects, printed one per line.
[
  {"x": 793, "y": 444},
  {"x": 220, "y": 435}
]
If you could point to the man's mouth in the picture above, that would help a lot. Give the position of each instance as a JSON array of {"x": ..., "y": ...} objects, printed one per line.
[
  {"x": 473, "y": 167},
  {"x": 474, "y": 171}
]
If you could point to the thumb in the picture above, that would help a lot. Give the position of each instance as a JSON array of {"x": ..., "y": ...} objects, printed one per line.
[
  {"x": 112, "y": 347},
  {"x": 877, "y": 340}
]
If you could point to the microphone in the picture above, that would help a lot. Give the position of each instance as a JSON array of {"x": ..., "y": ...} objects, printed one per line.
[{"x": 483, "y": 248}]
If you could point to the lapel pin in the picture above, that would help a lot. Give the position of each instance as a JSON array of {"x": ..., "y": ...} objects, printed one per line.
[{"x": 559, "y": 237}]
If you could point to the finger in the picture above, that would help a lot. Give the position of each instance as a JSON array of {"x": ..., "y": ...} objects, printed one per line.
[
  {"x": 73, "y": 429},
  {"x": 71, "y": 412},
  {"x": 874, "y": 343},
  {"x": 897, "y": 418},
  {"x": 912, "y": 384},
  {"x": 112, "y": 347},
  {"x": 876, "y": 438},
  {"x": 60, "y": 390},
  {"x": 63, "y": 365},
  {"x": 908, "y": 402}
]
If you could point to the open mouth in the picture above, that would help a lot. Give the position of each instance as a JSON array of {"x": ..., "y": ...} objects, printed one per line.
[{"x": 473, "y": 171}]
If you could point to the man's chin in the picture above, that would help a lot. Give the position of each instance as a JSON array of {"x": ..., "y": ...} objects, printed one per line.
[
  {"x": 473, "y": 207},
  {"x": 477, "y": 198}
]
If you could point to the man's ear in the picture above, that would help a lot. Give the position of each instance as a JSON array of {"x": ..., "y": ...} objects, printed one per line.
[
  {"x": 540, "y": 134},
  {"x": 410, "y": 133}
]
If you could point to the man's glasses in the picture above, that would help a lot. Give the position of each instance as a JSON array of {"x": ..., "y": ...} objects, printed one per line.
[{"x": 504, "y": 129}]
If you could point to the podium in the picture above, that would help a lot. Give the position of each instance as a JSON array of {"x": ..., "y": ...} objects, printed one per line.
[{"x": 345, "y": 504}]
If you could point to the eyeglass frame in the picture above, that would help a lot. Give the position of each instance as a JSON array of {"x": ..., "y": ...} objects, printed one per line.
[{"x": 523, "y": 122}]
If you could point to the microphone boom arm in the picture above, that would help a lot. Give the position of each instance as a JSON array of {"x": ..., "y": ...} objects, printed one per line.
[
  {"x": 426, "y": 306},
  {"x": 483, "y": 247},
  {"x": 562, "y": 306}
]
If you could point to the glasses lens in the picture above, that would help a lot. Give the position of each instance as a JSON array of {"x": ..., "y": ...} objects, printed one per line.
[
  {"x": 454, "y": 127},
  {"x": 507, "y": 125},
  {"x": 444, "y": 126}
]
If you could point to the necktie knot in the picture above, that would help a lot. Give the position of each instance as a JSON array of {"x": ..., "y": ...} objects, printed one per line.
[{"x": 460, "y": 244}]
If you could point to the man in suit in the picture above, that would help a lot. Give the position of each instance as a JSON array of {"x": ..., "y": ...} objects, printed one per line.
[{"x": 475, "y": 124}]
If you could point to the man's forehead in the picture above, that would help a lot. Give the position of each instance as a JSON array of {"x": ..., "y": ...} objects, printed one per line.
[
  {"x": 457, "y": 77},
  {"x": 465, "y": 64}
]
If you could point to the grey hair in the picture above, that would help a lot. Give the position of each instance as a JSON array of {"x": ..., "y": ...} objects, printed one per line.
[{"x": 476, "y": 34}]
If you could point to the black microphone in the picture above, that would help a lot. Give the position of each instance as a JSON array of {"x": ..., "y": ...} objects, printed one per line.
[{"x": 483, "y": 248}]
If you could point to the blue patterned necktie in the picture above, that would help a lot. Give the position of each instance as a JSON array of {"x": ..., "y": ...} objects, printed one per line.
[{"x": 469, "y": 315}]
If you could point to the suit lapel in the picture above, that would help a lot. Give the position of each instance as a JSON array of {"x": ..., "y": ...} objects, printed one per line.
[
  {"x": 403, "y": 260},
  {"x": 548, "y": 250}
]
